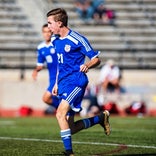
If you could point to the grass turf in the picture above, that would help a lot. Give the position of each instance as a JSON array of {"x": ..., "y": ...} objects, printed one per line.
[{"x": 32, "y": 136}]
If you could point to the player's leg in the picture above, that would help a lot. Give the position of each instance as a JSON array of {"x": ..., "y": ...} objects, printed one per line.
[
  {"x": 102, "y": 119},
  {"x": 47, "y": 97},
  {"x": 75, "y": 103},
  {"x": 81, "y": 124},
  {"x": 74, "y": 126},
  {"x": 65, "y": 131}
]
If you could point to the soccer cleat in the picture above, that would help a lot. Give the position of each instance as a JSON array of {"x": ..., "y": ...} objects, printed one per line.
[
  {"x": 68, "y": 154},
  {"x": 104, "y": 122}
]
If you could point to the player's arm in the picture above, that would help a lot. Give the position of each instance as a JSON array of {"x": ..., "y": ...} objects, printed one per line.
[
  {"x": 55, "y": 88},
  {"x": 40, "y": 63},
  {"x": 88, "y": 51},
  {"x": 35, "y": 71},
  {"x": 90, "y": 64}
]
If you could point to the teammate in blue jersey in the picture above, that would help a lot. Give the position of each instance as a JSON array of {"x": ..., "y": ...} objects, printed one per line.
[
  {"x": 46, "y": 54},
  {"x": 72, "y": 48}
]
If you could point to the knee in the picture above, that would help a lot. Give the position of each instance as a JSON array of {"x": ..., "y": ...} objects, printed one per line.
[
  {"x": 46, "y": 100},
  {"x": 60, "y": 115}
]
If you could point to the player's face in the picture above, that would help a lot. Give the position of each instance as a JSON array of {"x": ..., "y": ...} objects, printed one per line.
[
  {"x": 53, "y": 25},
  {"x": 46, "y": 33}
]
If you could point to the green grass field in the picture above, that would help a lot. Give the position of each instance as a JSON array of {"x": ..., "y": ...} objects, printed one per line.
[{"x": 32, "y": 136}]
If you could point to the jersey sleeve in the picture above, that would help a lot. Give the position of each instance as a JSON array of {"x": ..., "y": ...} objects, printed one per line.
[
  {"x": 40, "y": 58},
  {"x": 87, "y": 49}
]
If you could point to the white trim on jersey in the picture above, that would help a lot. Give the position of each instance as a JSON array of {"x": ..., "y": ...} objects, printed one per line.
[
  {"x": 72, "y": 39},
  {"x": 40, "y": 64},
  {"x": 96, "y": 55},
  {"x": 43, "y": 44},
  {"x": 81, "y": 39}
]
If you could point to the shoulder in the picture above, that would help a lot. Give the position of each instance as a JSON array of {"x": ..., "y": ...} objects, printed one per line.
[
  {"x": 41, "y": 45},
  {"x": 76, "y": 37},
  {"x": 54, "y": 38},
  {"x": 79, "y": 39},
  {"x": 75, "y": 34}
]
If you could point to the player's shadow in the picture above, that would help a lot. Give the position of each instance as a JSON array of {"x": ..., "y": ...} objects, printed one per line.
[
  {"x": 54, "y": 154},
  {"x": 144, "y": 154}
]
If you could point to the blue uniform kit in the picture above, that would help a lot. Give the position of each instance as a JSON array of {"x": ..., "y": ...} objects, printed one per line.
[
  {"x": 46, "y": 53},
  {"x": 71, "y": 55},
  {"x": 72, "y": 49}
]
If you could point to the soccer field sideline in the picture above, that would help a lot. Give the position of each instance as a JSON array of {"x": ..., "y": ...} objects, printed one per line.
[
  {"x": 78, "y": 142},
  {"x": 10, "y": 79}
]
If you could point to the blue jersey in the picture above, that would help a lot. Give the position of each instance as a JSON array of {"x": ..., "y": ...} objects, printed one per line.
[
  {"x": 47, "y": 54},
  {"x": 71, "y": 52}
]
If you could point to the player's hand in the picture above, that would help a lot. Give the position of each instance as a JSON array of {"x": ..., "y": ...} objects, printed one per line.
[
  {"x": 84, "y": 68},
  {"x": 34, "y": 75},
  {"x": 55, "y": 90}
]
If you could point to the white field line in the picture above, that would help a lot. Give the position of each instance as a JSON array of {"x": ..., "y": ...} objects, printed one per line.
[
  {"x": 7, "y": 123},
  {"x": 78, "y": 142}
]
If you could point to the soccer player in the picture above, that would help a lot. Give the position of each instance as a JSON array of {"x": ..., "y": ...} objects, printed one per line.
[
  {"x": 46, "y": 54},
  {"x": 71, "y": 48}
]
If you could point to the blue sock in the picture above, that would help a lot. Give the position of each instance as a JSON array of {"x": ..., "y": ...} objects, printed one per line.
[
  {"x": 66, "y": 138},
  {"x": 89, "y": 122}
]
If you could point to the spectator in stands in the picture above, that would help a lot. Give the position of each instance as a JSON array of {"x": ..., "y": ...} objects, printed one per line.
[
  {"x": 110, "y": 76},
  {"x": 46, "y": 54},
  {"x": 96, "y": 3},
  {"x": 85, "y": 9},
  {"x": 102, "y": 15},
  {"x": 136, "y": 108},
  {"x": 93, "y": 107}
]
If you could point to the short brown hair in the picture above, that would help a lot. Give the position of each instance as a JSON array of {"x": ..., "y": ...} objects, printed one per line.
[
  {"x": 59, "y": 15},
  {"x": 45, "y": 25}
]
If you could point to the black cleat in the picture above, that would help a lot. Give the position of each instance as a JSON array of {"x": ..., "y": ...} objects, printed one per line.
[{"x": 68, "y": 153}]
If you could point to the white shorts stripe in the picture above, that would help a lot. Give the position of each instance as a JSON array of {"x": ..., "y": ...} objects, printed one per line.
[{"x": 73, "y": 93}]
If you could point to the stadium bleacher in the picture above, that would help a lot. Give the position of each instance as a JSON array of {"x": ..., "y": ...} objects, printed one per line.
[
  {"x": 18, "y": 38},
  {"x": 131, "y": 42}
]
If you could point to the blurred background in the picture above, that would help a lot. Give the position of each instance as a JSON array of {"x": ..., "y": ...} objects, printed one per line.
[{"x": 124, "y": 31}]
